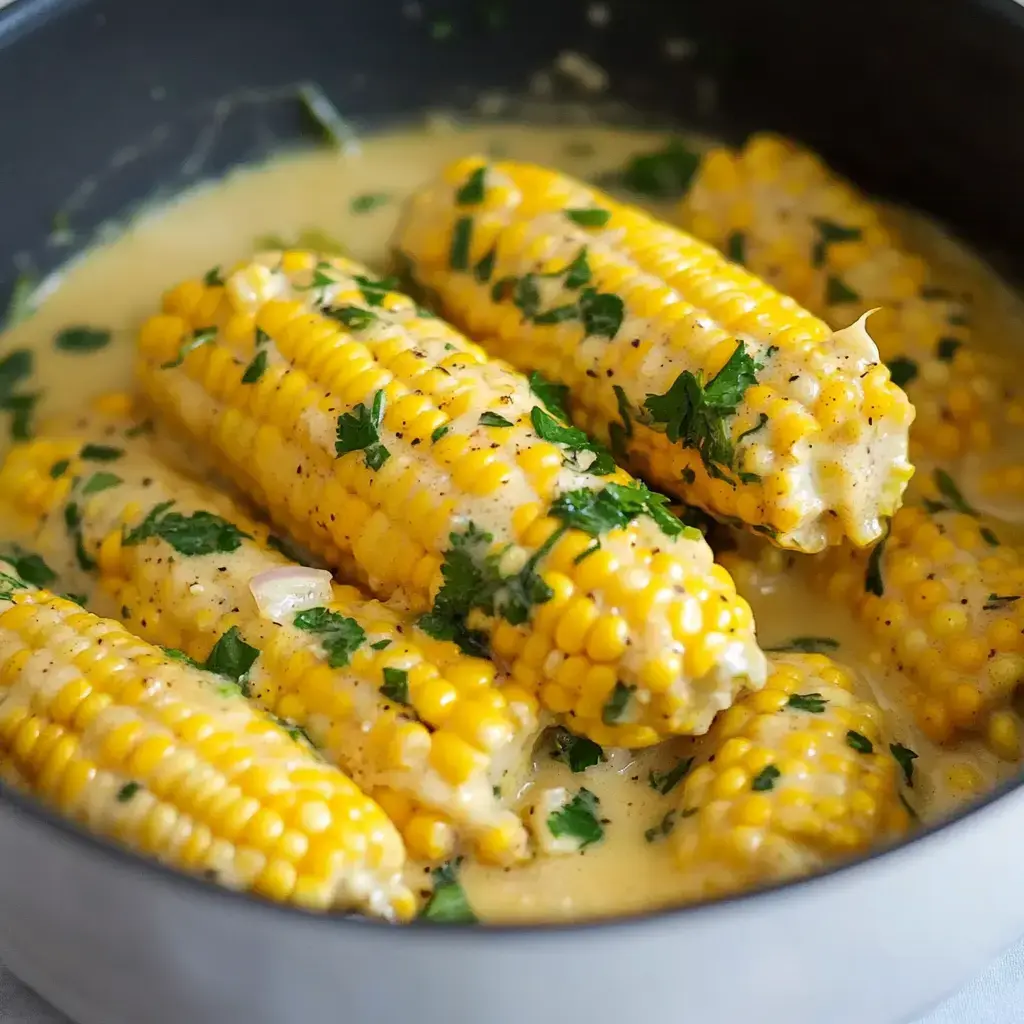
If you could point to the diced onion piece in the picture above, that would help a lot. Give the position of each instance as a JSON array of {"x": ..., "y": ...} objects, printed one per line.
[{"x": 279, "y": 592}]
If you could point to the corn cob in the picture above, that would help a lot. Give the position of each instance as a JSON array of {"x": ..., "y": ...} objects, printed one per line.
[
  {"x": 387, "y": 443},
  {"x": 944, "y": 602},
  {"x": 790, "y": 780},
  {"x": 779, "y": 210},
  {"x": 425, "y": 729},
  {"x": 174, "y": 764},
  {"x": 713, "y": 386}
]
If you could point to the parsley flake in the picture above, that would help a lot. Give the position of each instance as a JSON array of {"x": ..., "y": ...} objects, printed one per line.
[
  {"x": 127, "y": 791},
  {"x": 232, "y": 658},
  {"x": 100, "y": 482},
  {"x": 902, "y": 371},
  {"x": 81, "y": 339},
  {"x": 484, "y": 267},
  {"x": 695, "y": 413},
  {"x": 553, "y": 396},
  {"x": 368, "y": 201},
  {"x": 662, "y": 829},
  {"x": 665, "y": 782},
  {"x": 807, "y": 645},
  {"x": 578, "y": 820},
  {"x": 471, "y": 192},
  {"x": 578, "y": 752},
  {"x": 602, "y": 313},
  {"x": 547, "y": 428},
  {"x": 663, "y": 174},
  {"x": 735, "y": 247},
  {"x": 764, "y": 780},
  {"x": 462, "y": 234},
  {"x": 29, "y": 566},
  {"x": 492, "y": 419},
  {"x": 100, "y": 453},
  {"x": 617, "y": 505},
  {"x": 615, "y": 706},
  {"x": 339, "y": 636},
  {"x": 838, "y": 292},
  {"x": 359, "y": 431},
  {"x": 201, "y": 533},
  {"x": 905, "y": 758},
  {"x": 197, "y": 339},
  {"x": 448, "y": 903},
  {"x": 396, "y": 685},
  {"x": 374, "y": 290},
  {"x": 948, "y": 489},
  {"x": 589, "y": 218},
  {"x": 59, "y": 468},
  {"x": 859, "y": 742},
  {"x": 577, "y": 273},
  {"x": 213, "y": 278},
  {"x": 811, "y": 702},
  {"x": 873, "y": 582}
]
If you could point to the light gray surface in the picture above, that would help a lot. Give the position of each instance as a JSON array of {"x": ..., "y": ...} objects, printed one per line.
[{"x": 996, "y": 997}]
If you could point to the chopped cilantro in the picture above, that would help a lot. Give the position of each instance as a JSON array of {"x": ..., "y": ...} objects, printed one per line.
[
  {"x": 59, "y": 468},
  {"x": 82, "y": 339},
  {"x": 340, "y": 636},
  {"x": 172, "y": 652},
  {"x": 100, "y": 482},
  {"x": 662, "y": 829},
  {"x": 380, "y": 645},
  {"x": 997, "y": 601},
  {"x": 484, "y": 267},
  {"x": 577, "y": 273},
  {"x": 762, "y": 420},
  {"x": 807, "y": 645},
  {"x": 448, "y": 903},
  {"x": 547, "y": 428},
  {"x": 21, "y": 408},
  {"x": 663, "y": 174},
  {"x": 100, "y": 453},
  {"x": 73, "y": 522},
  {"x": 902, "y": 371},
  {"x": 613, "y": 506},
  {"x": 14, "y": 368},
  {"x": 829, "y": 232},
  {"x": 30, "y": 567},
  {"x": 859, "y": 742},
  {"x": 8, "y": 584},
  {"x": 255, "y": 370},
  {"x": 873, "y": 582},
  {"x": 492, "y": 419},
  {"x": 396, "y": 685},
  {"x": 213, "y": 278},
  {"x": 577, "y": 752},
  {"x": 526, "y": 295},
  {"x": 989, "y": 537},
  {"x": 905, "y": 758},
  {"x": 195, "y": 340},
  {"x": 201, "y": 533},
  {"x": 946, "y": 348},
  {"x": 145, "y": 427},
  {"x": 127, "y": 791},
  {"x": 232, "y": 658},
  {"x": 359, "y": 431},
  {"x": 764, "y": 780},
  {"x": 437, "y": 434},
  {"x": 368, "y": 201},
  {"x": 355, "y": 318},
  {"x": 374, "y": 290},
  {"x": 78, "y": 599},
  {"x": 578, "y": 820},
  {"x": 458, "y": 254},
  {"x": 589, "y": 218},
  {"x": 553, "y": 395},
  {"x": 695, "y": 413},
  {"x": 615, "y": 706},
  {"x": 587, "y": 552},
  {"x": 735, "y": 247},
  {"x": 602, "y": 313},
  {"x": 837, "y": 292},
  {"x": 811, "y": 702},
  {"x": 557, "y": 315},
  {"x": 665, "y": 782},
  {"x": 472, "y": 190}
]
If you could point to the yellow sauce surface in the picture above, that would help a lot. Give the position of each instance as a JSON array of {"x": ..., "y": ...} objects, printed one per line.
[{"x": 117, "y": 285}]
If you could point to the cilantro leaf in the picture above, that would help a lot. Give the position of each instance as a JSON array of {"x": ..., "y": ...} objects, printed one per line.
[
  {"x": 81, "y": 339},
  {"x": 127, "y": 791},
  {"x": 396, "y": 685},
  {"x": 255, "y": 370},
  {"x": 902, "y": 371},
  {"x": 662, "y": 829},
  {"x": 547, "y": 428},
  {"x": 602, "y": 313},
  {"x": 197, "y": 339},
  {"x": 359, "y": 431},
  {"x": 73, "y": 522},
  {"x": 368, "y": 201},
  {"x": 492, "y": 419},
  {"x": 873, "y": 582},
  {"x": 100, "y": 453},
  {"x": 29, "y": 566},
  {"x": 695, "y": 413},
  {"x": 615, "y": 706},
  {"x": 764, "y": 780},
  {"x": 448, "y": 903},
  {"x": 374, "y": 290},
  {"x": 665, "y": 782},
  {"x": 859, "y": 742},
  {"x": 553, "y": 395},
  {"x": 355, "y": 318},
  {"x": 948, "y": 489},
  {"x": 462, "y": 234},
  {"x": 810, "y": 702},
  {"x": 615, "y": 505},
  {"x": 339, "y": 636},
  {"x": 484, "y": 267},
  {"x": 201, "y": 533},
  {"x": 807, "y": 645},
  {"x": 735, "y": 247},
  {"x": 213, "y": 278},
  {"x": 838, "y": 292},
  {"x": 100, "y": 482},
  {"x": 589, "y": 218},
  {"x": 577, "y": 273},
  {"x": 578, "y": 820},
  {"x": 946, "y": 348},
  {"x": 578, "y": 752},
  {"x": 472, "y": 190},
  {"x": 14, "y": 369},
  {"x": 905, "y": 758},
  {"x": 663, "y": 174},
  {"x": 232, "y": 658}
]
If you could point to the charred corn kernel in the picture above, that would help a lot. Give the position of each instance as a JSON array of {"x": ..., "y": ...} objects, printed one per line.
[
  {"x": 842, "y": 258},
  {"x": 123, "y": 788},
  {"x": 814, "y": 448},
  {"x": 188, "y": 597},
  {"x": 944, "y": 601},
  {"x": 481, "y": 489},
  {"x": 749, "y": 814}
]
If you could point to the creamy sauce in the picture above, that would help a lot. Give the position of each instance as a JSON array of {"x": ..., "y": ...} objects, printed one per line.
[{"x": 116, "y": 286}]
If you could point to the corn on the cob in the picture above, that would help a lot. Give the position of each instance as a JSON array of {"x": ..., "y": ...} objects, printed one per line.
[
  {"x": 425, "y": 729},
  {"x": 779, "y": 210},
  {"x": 789, "y": 781},
  {"x": 385, "y": 441},
  {"x": 944, "y": 601},
  {"x": 168, "y": 760},
  {"x": 712, "y": 385}
]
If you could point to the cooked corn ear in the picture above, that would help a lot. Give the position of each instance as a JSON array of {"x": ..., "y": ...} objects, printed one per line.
[
  {"x": 712, "y": 386},
  {"x": 390, "y": 445},
  {"x": 170, "y": 761},
  {"x": 789, "y": 781},
  {"x": 424, "y": 728},
  {"x": 944, "y": 601},
  {"x": 778, "y": 209}
]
